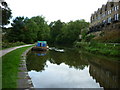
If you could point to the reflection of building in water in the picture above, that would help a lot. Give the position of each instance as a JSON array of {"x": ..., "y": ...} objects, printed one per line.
[{"x": 108, "y": 77}]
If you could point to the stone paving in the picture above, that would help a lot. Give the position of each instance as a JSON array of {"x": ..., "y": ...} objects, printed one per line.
[{"x": 24, "y": 81}]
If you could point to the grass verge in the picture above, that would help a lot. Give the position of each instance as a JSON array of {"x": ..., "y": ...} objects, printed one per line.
[{"x": 10, "y": 64}]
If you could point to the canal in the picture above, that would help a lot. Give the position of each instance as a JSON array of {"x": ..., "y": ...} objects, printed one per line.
[{"x": 72, "y": 68}]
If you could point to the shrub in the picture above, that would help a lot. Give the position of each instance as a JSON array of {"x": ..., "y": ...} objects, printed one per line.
[
  {"x": 101, "y": 48},
  {"x": 8, "y": 45}
]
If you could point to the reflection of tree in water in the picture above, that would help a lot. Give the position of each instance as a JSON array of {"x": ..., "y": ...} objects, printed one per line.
[
  {"x": 71, "y": 58},
  {"x": 35, "y": 62}
]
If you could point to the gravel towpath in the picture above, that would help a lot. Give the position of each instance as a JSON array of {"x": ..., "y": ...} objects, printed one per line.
[{"x": 5, "y": 51}]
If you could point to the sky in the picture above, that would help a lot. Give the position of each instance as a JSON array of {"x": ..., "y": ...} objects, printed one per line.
[
  {"x": 53, "y": 10},
  {"x": 65, "y": 76}
]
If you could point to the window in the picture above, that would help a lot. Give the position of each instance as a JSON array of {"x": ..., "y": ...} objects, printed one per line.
[
  {"x": 116, "y": 17},
  {"x": 109, "y": 20},
  {"x": 99, "y": 18},
  {"x": 106, "y": 13},
  {"x": 103, "y": 15},
  {"x": 112, "y": 5},
  {"x": 110, "y": 11},
  {"x": 117, "y": 7}
]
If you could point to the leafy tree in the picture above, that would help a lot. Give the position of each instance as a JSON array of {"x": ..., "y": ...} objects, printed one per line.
[
  {"x": 71, "y": 30},
  {"x": 18, "y": 30},
  {"x": 43, "y": 30},
  {"x": 6, "y": 13},
  {"x": 56, "y": 28},
  {"x": 36, "y": 28},
  {"x": 28, "y": 30}
]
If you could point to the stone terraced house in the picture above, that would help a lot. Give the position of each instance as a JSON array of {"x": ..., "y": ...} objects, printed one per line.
[{"x": 106, "y": 18}]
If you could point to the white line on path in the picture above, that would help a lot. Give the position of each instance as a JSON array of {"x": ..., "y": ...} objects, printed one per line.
[{"x": 5, "y": 51}]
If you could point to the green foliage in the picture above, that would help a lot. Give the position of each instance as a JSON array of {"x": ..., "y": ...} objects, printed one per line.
[
  {"x": 42, "y": 29},
  {"x": 102, "y": 48},
  {"x": 55, "y": 30},
  {"x": 8, "y": 45},
  {"x": 17, "y": 31},
  {"x": 31, "y": 31},
  {"x": 28, "y": 30},
  {"x": 36, "y": 28},
  {"x": 84, "y": 33},
  {"x": 88, "y": 38},
  {"x": 6, "y": 13},
  {"x": 73, "y": 29},
  {"x": 67, "y": 32}
]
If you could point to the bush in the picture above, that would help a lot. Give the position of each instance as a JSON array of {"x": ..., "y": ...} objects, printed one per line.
[
  {"x": 89, "y": 38},
  {"x": 115, "y": 53},
  {"x": 8, "y": 45},
  {"x": 101, "y": 48}
]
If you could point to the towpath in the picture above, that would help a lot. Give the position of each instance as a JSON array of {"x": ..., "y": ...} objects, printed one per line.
[{"x": 5, "y": 51}]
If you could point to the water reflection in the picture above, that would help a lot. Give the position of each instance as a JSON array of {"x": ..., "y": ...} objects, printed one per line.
[
  {"x": 62, "y": 76},
  {"x": 72, "y": 69},
  {"x": 40, "y": 53},
  {"x": 104, "y": 70},
  {"x": 36, "y": 62}
]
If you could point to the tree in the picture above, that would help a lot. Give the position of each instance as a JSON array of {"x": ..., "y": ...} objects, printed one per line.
[
  {"x": 55, "y": 29},
  {"x": 17, "y": 33},
  {"x": 6, "y": 13},
  {"x": 28, "y": 30},
  {"x": 43, "y": 30},
  {"x": 71, "y": 30},
  {"x": 31, "y": 31}
]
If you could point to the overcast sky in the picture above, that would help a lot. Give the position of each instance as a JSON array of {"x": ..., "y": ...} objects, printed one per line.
[{"x": 52, "y": 10}]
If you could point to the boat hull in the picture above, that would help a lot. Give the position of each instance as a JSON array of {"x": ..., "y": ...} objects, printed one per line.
[{"x": 39, "y": 49}]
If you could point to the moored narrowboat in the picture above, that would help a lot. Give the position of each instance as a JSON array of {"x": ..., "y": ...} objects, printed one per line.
[{"x": 40, "y": 46}]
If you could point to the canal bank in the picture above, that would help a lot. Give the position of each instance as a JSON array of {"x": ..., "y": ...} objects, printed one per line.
[
  {"x": 24, "y": 81},
  {"x": 13, "y": 69},
  {"x": 107, "y": 49}
]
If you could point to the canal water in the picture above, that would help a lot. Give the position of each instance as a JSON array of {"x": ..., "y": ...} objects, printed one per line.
[{"x": 72, "y": 68}]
